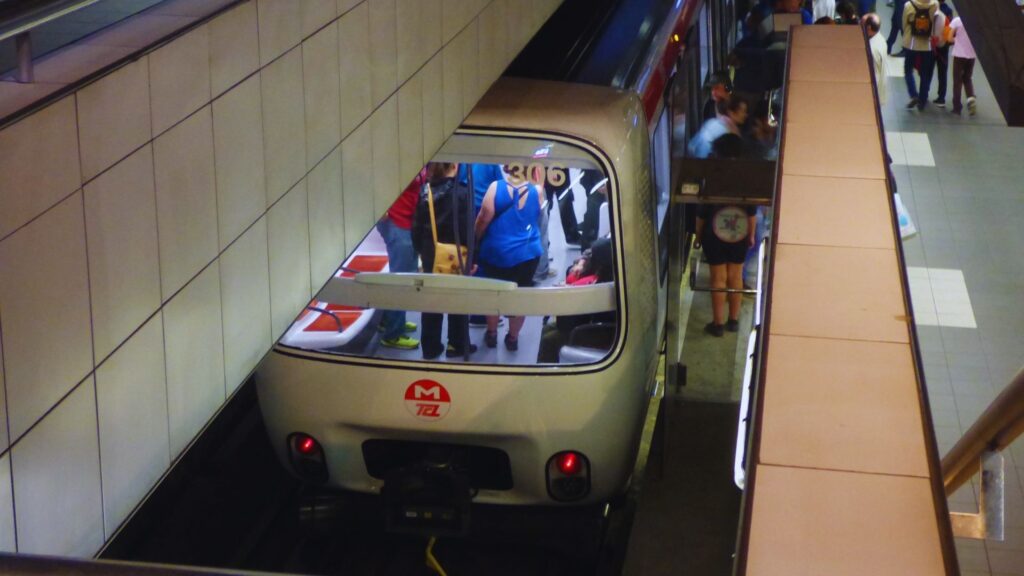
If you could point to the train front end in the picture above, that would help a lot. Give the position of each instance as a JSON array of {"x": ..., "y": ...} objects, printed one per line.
[{"x": 556, "y": 421}]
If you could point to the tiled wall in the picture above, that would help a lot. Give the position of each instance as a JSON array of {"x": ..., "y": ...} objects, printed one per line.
[{"x": 160, "y": 227}]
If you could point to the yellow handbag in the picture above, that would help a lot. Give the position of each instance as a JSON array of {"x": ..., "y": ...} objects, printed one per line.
[{"x": 447, "y": 257}]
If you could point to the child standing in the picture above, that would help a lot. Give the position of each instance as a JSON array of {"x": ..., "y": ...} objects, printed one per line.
[{"x": 963, "y": 67}]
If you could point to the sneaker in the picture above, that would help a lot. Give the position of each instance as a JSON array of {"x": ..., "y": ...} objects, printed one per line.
[
  {"x": 408, "y": 328},
  {"x": 940, "y": 102},
  {"x": 972, "y": 106},
  {"x": 491, "y": 339},
  {"x": 512, "y": 344},
  {"x": 451, "y": 352},
  {"x": 956, "y": 111},
  {"x": 402, "y": 343},
  {"x": 716, "y": 330},
  {"x": 732, "y": 326},
  {"x": 912, "y": 104}
]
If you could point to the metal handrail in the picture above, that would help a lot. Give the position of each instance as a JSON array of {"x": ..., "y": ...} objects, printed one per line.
[
  {"x": 995, "y": 429},
  {"x": 38, "y": 15},
  {"x": 20, "y": 28}
]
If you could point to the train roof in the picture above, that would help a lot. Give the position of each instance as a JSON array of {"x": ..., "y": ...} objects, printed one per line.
[{"x": 598, "y": 115}]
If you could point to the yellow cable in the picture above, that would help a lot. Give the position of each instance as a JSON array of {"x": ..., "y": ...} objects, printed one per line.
[{"x": 432, "y": 562}]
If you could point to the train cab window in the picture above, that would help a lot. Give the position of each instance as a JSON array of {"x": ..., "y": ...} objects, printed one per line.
[{"x": 502, "y": 251}]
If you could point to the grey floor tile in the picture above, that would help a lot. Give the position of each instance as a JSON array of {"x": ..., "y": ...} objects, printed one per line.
[
  {"x": 972, "y": 558},
  {"x": 1003, "y": 561}
]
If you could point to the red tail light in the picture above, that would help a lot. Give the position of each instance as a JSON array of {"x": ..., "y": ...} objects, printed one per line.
[
  {"x": 569, "y": 463},
  {"x": 305, "y": 445},
  {"x": 568, "y": 476}
]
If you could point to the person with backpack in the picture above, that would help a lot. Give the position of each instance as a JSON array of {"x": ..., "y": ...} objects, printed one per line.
[{"x": 922, "y": 21}]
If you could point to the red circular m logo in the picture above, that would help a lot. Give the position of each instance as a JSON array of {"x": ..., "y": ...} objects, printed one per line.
[{"x": 427, "y": 400}]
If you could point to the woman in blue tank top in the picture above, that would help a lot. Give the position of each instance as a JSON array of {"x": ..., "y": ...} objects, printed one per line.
[{"x": 510, "y": 249}]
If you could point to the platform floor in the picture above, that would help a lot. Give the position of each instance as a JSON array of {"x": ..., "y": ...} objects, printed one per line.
[{"x": 962, "y": 179}]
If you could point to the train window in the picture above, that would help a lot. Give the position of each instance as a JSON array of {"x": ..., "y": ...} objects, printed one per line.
[{"x": 405, "y": 294}]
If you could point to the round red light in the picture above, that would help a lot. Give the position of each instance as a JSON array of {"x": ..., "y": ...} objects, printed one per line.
[
  {"x": 306, "y": 445},
  {"x": 569, "y": 463}
]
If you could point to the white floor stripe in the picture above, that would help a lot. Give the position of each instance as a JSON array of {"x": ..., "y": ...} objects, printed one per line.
[
  {"x": 910, "y": 148},
  {"x": 940, "y": 297}
]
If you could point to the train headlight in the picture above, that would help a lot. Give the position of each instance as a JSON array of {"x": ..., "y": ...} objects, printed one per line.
[
  {"x": 307, "y": 457},
  {"x": 568, "y": 475}
]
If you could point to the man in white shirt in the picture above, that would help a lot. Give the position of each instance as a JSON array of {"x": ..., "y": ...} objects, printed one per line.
[{"x": 872, "y": 25}]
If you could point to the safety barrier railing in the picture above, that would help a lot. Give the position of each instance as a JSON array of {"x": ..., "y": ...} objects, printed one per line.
[
  {"x": 980, "y": 450},
  {"x": 19, "y": 21}
]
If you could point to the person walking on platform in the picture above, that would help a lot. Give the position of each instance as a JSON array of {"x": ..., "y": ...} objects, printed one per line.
[
  {"x": 872, "y": 27},
  {"x": 895, "y": 29},
  {"x": 922, "y": 21},
  {"x": 963, "y": 67},
  {"x": 942, "y": 46}
]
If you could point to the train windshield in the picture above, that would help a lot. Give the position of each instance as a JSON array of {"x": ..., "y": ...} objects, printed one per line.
[{"x": 500, "y": 252}]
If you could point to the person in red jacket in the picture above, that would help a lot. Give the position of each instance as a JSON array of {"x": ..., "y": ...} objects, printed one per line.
[{"x": 396, "y": 229}]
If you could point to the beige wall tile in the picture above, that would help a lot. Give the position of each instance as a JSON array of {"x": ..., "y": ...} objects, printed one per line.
[
  {"x": 57, "y": 480},
  {"x": 113, "y": 117},
  {"x": 326, "y": 219},
  {"x": 493, "y": 42},
  {"x": 28, "y": 152},
  {"x": 316, "y": 14},
  {"x": 131, "y": 399},
  {"x": 321, "y": 71},
  {"x": 124, "y": 257},
  {"x": 238, "y": 150},
  {"x": 245, "y": 297},
  {"x": 234, "y": 47},
  {"x": 453, "y": 60},
  {"x": 179, "y": 78},
  {"x": 15, "y": 96},
  {"x": 280, "y": 26},
  {"x": 346, "y": 5},
  {"x": 383, "y": 50},
  {"x": 194, "y": 344},
  {"x": 410, "y": 129},
  {"x": 186, "y": 200},
  {"x": 284, "y": 124},
  {"x": 418, "y": 34},
  {"x": 4, "y": 440},
  {"x": 44, "y": 295},
  {"x": 288, "y": 238},
  {"x": 354, "y": 51},
  {"x": 384, "y": 127},
  {"x": 357, "y": 185},
  {"x": 454, "y": 15},
  {"x": 432, "y": 79},
  {"x": 7, "y": 543},
  {"x": 468, "y": 43}
]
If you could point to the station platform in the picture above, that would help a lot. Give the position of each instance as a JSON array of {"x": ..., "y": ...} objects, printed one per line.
[{"x": 960, "y": 178}]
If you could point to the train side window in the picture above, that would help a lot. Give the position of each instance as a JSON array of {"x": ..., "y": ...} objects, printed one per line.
[{"x": 502, "y": 199}]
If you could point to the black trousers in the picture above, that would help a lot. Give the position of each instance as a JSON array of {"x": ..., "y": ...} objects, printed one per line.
[{"x": 431, "y": 323}]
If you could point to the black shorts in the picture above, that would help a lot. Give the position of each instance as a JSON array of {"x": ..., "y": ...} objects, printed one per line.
[
  {"x": 718, "y": 252},
  {"x": 521, "y": 274}
]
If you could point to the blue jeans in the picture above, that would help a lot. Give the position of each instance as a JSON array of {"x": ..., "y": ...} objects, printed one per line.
[
  {"x": 925, "y": 67},
  {"x": 401, "y": 258}
]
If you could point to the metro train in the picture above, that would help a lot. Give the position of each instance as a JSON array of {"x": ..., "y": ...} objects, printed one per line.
[{"x": 498, "y": 426}]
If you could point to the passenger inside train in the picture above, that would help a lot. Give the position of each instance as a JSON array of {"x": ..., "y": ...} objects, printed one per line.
[{"x": 484, "y": 223}]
